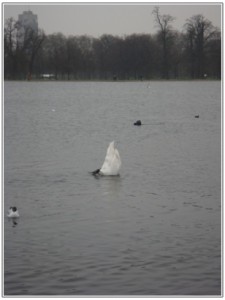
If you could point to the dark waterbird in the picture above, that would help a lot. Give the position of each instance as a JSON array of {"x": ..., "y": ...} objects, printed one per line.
[{"x": 138, "y": 123}]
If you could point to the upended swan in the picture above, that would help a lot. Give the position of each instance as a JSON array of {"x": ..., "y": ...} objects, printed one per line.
[
  {"x": 112, "y": 163},
  {"x": 13, "y": 212}
]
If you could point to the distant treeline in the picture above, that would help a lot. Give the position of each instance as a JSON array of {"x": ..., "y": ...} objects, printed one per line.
[{"x": 194, "y": 53}]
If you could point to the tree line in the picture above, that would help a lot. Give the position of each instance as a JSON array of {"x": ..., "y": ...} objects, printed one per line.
[{"x": 194, "y": 53}]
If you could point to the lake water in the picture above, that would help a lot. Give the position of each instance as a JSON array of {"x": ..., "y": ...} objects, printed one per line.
[{"x": 155, "y": 230}]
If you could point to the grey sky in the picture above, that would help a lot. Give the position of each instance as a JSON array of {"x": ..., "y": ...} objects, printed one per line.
[{"x": 117, "y": 19}]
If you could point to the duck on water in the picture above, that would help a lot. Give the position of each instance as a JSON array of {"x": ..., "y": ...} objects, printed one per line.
[
  {"x": 13, "y": 215},
  {"x": 138, "y": 123},
  {"x": 13, "y": 212}
]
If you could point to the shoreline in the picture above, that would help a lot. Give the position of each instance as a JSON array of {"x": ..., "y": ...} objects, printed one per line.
[{"x": 113, "y": 81}]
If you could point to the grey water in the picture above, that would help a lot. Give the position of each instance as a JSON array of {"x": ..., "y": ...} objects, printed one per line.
[{"x": 153, "y": 230}]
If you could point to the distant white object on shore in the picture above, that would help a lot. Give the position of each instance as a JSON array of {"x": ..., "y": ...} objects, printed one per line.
[{"x": 47, "y": 76}]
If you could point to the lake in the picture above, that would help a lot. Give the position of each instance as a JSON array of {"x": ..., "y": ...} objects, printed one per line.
[{"x": 153, "y": 230}]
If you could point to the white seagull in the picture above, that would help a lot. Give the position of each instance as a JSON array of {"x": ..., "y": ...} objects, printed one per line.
[{"x": 112, "y": 163}]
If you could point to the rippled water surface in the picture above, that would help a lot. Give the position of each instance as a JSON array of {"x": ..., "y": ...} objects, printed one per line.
[{"x": 155, "y": 230}]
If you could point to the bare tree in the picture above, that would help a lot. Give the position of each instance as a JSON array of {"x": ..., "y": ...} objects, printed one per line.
[
  {"x": 34, "y": 42},
  {"x": 198, "y": 32},
  {"x": 20, "y": 51},
  {"x": 10, "y": 48},
  {"x": 164, "y": 22}
]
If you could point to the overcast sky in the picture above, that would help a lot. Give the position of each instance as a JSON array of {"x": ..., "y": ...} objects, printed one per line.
[{"x": 117, "y": 19}]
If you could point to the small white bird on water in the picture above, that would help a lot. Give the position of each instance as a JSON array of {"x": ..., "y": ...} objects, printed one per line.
[
  {"x": 112, "y": 162},
  {"x": 13, "y": 212}
]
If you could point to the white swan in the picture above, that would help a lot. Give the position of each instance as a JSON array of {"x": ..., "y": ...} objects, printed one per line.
[
  {"x": 13, "y": 212},
  {"x": 112, "y": 163}
]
